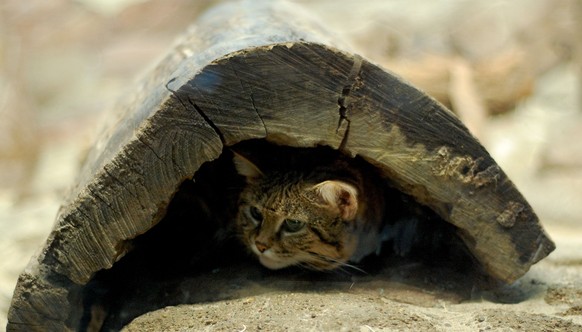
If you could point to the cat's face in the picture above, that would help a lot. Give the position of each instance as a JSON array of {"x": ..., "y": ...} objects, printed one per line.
[{"x": 286, "y": 221}]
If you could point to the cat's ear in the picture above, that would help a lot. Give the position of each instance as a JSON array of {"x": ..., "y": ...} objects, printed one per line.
[
  {"x": 245, "y": 167},
  {"x": 339, "y": 195}
]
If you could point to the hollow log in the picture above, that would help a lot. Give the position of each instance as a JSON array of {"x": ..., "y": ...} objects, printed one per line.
[{"x": 267, "y": 71}]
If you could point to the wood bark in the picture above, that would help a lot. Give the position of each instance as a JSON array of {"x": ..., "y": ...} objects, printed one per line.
[{"x": 248, "y": 71}]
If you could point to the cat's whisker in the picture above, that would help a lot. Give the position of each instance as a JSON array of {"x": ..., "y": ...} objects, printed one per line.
[
  {"x": 348, "y": 269},
  {"x": 304, "y": 265},
  {"x": 344, "y": 266},
  {"x": 341, "y": 265},
  {"x": 307, "y": 261}
]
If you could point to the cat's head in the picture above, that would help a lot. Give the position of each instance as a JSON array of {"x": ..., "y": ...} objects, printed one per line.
[{"x": 286, "y": 219}]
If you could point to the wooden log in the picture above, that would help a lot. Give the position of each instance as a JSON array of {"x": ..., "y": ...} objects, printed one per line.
[{"x": 261, "y": 70}]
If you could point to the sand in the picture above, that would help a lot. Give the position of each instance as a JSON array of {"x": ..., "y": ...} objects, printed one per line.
[{"x": 407, "y": 298}]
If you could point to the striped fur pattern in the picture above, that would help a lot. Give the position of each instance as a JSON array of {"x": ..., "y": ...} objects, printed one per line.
[{"x": 320, "y": 216}]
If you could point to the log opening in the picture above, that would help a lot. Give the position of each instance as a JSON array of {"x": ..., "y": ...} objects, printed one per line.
[{"x": 192, "y": 255}]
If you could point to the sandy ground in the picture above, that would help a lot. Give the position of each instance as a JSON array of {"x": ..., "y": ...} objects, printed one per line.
[
  {"x": 537, "y": 144},
  {"x": 408, "y": 297}
]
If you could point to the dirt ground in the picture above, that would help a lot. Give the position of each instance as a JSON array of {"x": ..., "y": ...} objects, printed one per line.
[
  {"x": 405, "y": 297},
  {"x": 511, "y": 69}
]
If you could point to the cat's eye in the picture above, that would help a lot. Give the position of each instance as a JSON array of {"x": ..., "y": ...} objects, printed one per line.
[
  {"x": 256, "y": 214},
  {"x": 292, "y": 225}
]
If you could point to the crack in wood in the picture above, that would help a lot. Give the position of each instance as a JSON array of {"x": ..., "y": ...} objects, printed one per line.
[
  {"x": 121, "y": 184},
  {"x": 150, "y": 148},
  {"x": 251, "y": 96},
  {"x": 210, "y": 122},
  {"x": 198, "y": 110},
  {"x": 352, "y": 80}
]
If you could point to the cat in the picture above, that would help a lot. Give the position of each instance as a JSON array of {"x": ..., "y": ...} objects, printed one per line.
[{"x": 321, "y": 210}]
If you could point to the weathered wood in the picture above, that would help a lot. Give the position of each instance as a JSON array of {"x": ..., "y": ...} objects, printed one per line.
[{"x": 250, "y": 71}]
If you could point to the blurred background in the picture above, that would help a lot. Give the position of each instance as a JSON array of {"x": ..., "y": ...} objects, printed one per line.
[{"x": 511, "y": 69}]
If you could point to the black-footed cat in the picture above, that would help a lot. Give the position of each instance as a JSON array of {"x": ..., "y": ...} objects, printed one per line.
[{"x": 318, "y": 209}]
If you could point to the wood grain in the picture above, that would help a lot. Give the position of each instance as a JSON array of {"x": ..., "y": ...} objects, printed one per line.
[{"x": 249, "y": 71}]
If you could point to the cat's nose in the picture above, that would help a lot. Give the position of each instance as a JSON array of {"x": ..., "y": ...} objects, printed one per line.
[{"x": 261, "y": 246}]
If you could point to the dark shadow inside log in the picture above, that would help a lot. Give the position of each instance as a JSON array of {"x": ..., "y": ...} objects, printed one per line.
[{"x": 193, "y": 256}]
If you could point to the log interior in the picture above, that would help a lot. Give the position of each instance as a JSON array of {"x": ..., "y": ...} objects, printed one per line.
[{"x": 191, "y": 256}]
